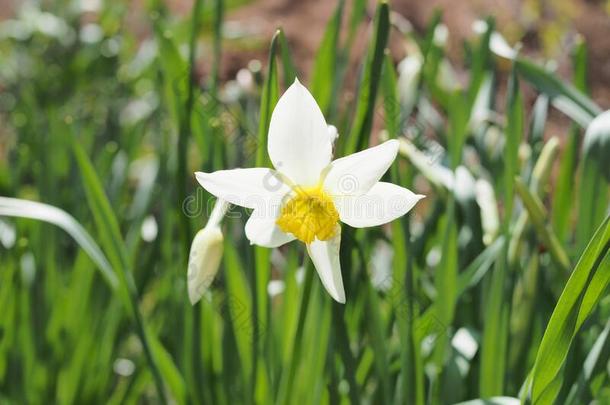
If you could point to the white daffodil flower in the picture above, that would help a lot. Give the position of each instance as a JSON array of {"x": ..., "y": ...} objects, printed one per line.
[
  {"x": 307, "y": 194},
  {"x": 206, "y": 252}
]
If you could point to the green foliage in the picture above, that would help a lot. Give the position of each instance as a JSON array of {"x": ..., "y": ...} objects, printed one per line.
[{"x": 494, "y": 288}]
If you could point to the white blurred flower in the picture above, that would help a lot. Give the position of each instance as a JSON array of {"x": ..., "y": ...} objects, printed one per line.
[
  {"x": 497, "y": 43},
  {"x": 597, "y": 137},
  {"x": 409, "y": 70},
  {"x": 441, "y": 35},
  {"x": 490, "y": 219},
  {"x": 91, "y": 33},
  {"x": 149, "y": 229},
  {"x": 275, "y": 287}
]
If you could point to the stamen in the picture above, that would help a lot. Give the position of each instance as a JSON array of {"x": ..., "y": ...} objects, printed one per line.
[{"x": 308, "y": 215}]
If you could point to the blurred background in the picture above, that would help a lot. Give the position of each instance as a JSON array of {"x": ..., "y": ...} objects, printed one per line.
[
  {"x": 545, "y": 30},
  {"x": 108, "y": 107}
]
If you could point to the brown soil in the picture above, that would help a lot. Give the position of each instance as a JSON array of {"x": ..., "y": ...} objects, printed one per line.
[{"x": 304, "y": 23}]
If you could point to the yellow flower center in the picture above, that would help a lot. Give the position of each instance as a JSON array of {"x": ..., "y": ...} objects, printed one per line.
[{"x": 308, "y": 215}]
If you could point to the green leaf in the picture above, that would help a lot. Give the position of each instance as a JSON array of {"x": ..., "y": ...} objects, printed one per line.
[
  {"x": 565, "y": 186},
  {"x": 539, "y": 217},
  {"x": 369, "y": 83},
  {"x": 564, "y": 96},
  {"x": 495, "y": 332},
  {"x": 170, "y": 371},
  {"x": 594, "y": 179},
  {"x": 356, "y": 16},
  {"x": 538, "y": 183},
  {"x": 238, "y": 302},
  {"x": 447, "y": 271},
  {"x": 497, "y": 301},
  {"x": 268, "y": 100},
  {"x": 563, "y": 201},
  {"x": 116, "y": 250},
  {"x": 492, "y": 401},
  {"x": 262, "y": 274},
  {"x": 580, "y": 295},
  {"x": 287, "y": 381},
  {"x": 325, "y": 66},
  {"x": 593, "y": 365},
  {"x": 410, "y": 386},
  {"x": 445, "y": 280},
  {"x": 378, "y": 342},
  {"x": 175, "y": 73},
  {"x": 391, "y": 103},
  {"x": 479, "y": 266},
  {"x": 459, "y": 112},
  {"x": 290, "y": 70},
  {"x": 466, "y": 280},
  {"x": 13, "y": 207},
  {"x": 480, "y": 63},
  {"x": 514, "y": 134}
]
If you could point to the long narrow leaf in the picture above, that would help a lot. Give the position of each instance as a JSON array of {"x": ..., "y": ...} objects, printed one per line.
[
  {"x": 582, "y": 291},
  {"x": 13, "y": 207},
  {"x": 367, "y": 94},
  {"x": 564, "y": 96}
]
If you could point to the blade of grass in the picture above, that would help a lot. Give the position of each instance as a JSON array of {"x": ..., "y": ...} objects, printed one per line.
[
  {"x": 378, "y": 342},
  {"x": 325, "y": 66},
  {"x": 262, "y": 255},
  {"x": 539, "y": 179},
  {"x": 514, "y": 134},
  {"x": 564, "y": 96},
  {"x": 459, "y": 112},
  {"x": 110, "y": 236},
  {"x": 538, "y": 215},
  {"x": 563, "y": 197},
  {"x": 410, "y": 387},
  {"x": 319, "y": 348},
  {"x": 594, "y": 178},
  {"x": 584, "y": 288},
  {"x": 184, "y": 130},
  {"x": 593, "y": 365},
  {"x": 191, "y": 335},
  {"x": 492, "y": 401},
  {"x": 269, "y": 98},
  {"x": 238, "y": 303},
  {"x": 495, "y": 332},
  {"x": 445, "y": 280},
  {"x": 290, "y": 70},
  {"x": 343, "y": 347},
  {"x": 480, "y": 63},
  {"x": 564, "y": 188},
  {"x": 14, "y": 207},
  {"x": 288, "y": 375},
  {"x": 218, "y": 16},
  {"x": 468, "y": 278},
  {"x": 367, "y": 92}
]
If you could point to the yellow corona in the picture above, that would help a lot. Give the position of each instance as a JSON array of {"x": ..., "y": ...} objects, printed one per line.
[{"x": 310, "y": 214}]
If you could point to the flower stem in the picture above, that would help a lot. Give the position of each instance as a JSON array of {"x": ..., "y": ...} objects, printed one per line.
[{"x": 296, "y": 354}]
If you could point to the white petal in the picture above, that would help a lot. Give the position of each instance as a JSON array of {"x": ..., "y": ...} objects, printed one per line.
[
  {"x": 355, "y": 174},
  {"x": 261, "y": 229},
  {"x": 333, "y": 134},
  {"x": 383, "y": 203},
  {"x": 298, "y": 144},
  {"x": 325, "y": 257},
  {"x": 250, "y": 188},
  {"x": 204, "y": 259}
]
